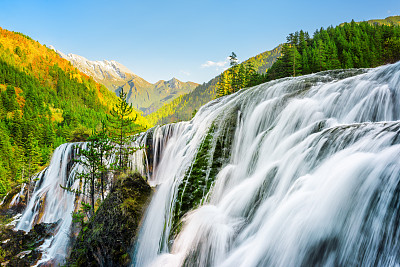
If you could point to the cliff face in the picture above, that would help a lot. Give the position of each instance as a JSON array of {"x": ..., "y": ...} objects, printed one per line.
[{"x": 110, "y": 234}]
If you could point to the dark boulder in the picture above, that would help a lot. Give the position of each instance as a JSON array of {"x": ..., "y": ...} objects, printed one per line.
[{"x": 110, "y": 234}]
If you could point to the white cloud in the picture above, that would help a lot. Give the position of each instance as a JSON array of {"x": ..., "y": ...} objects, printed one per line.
[
  {"x": 212, "y": 64},
  {"x": 220, "y": 65}
]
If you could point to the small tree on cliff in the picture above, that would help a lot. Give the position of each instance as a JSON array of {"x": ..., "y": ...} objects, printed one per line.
[
  {"x": 120, "y": 127},
  {"x": 94, "y": 159},
  {"x": 104, "y": 148},
  {"x": 90, "y": 158}
]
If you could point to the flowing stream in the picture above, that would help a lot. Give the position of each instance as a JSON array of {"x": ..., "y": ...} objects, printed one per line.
[
  {"x": 50, "y": 203},
  {"x": 296, "y": 172}
]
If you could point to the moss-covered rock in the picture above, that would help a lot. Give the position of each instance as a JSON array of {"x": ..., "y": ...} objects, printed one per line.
[
  {"x": 213, "y": 153},
  {"x": 108, "y": 237}
]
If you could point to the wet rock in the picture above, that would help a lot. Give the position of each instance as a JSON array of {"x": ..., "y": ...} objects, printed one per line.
[
  {"x": 19, "y": 248},
  {"x": 23, "y": 254},
  {"x": 50, "y": 263},
  {"x": 14, "y": 202}
]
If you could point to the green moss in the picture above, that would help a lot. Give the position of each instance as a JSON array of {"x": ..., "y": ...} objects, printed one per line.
[{"x": 212, "y": 154}]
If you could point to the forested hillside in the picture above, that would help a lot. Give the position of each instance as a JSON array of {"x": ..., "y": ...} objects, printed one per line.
[
  {"x": 262, "y": 62},
  {"x": 351, "y": 45},
  {"x": 184, "y": 107},
  {"x": 44, "y": 102},
  {"x": 391, "y": 21}
]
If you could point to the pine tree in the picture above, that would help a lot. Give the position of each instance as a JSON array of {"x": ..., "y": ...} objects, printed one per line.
[
  {"x": 392, "y": 50},
  {"x": 252, "y": 77},
  {"x": 94, "y": 159},
  {"x": 233, "y": 59},
  {"x": 243, "y": 77},
  {"x": 90, "y": 159},
  {"x": 305, "y": 61},
  {"x": 32, "y": 159},
  {"x": 321, "y": 57},
  {"x": 332, "y": 56},
  {"x": 120, "y": 128}
]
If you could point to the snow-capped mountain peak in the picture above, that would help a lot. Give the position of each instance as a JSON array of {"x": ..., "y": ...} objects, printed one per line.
[{"x": 99, "y": 70}]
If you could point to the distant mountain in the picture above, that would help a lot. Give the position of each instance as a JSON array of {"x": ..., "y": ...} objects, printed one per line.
[
  {"x": 149, "y": 97},
  {"x": 144, "y": 96},
  {"x": 109, "y": 73},
  {"x": 390, "y": 21},
  {"x": 186, "y": 105}
]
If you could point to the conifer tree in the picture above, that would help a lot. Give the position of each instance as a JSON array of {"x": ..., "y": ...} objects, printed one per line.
[
  {"x": 392, "y": 50},
  {"x": 221, "y": 85},
  {"x": 233, "y": 59},
  {"x": 32, "y": 160},
  {"x": 120, "y": 128},
  {"x": 234, "y": 76},
  {"x": 94, "y": 159},
  {"x": 90, "y": 159},
  {"x": 242, "y": 76}
]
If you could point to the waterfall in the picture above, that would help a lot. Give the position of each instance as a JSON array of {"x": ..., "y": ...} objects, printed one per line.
[
  {"x": 50, "y": 203},
  {"x": 299, "y": 171}
]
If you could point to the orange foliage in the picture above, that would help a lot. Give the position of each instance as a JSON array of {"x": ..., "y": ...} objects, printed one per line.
[
  {"x": 20, "y": 98},
  {"x": 35, "y": 59},
  {"x": 99, "y": 93}
]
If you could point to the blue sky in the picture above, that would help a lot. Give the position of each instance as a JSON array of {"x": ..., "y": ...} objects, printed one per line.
[{"x": 189, "y": 40}]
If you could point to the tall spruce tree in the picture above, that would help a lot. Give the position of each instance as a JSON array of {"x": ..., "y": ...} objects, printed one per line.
[{"x": 120, "y": 128}]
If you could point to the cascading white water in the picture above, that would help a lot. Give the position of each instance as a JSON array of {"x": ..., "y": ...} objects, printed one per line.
[
  {"x": 313, "y": 177},
  {"x": 50, "y": 203}
]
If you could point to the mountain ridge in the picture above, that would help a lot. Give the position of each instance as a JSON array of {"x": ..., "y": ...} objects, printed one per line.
[
  {"x": 391, "y": 20},
  {"x": 143, "y": 95},
  {"x": 110, "y": 73}
]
